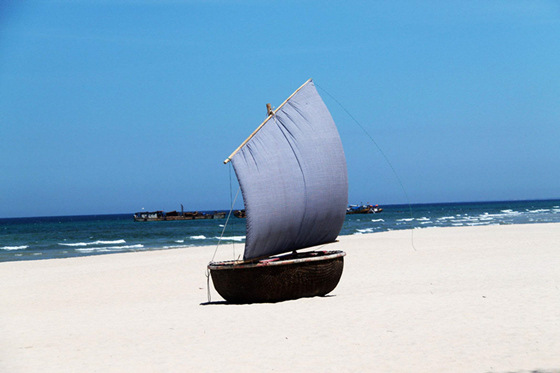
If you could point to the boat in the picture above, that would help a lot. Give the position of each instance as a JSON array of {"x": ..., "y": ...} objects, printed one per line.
[
  {"x": 363, "y": 209},
  {"x": 175, "y": 215},
  {"x": 293, "y": 178},
  {"x": 239, "y": 213}
]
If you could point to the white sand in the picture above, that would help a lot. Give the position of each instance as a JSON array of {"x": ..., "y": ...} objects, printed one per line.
[{"x": 476, "y": 299}]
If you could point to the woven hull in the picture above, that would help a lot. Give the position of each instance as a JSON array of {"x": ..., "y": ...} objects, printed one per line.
[{"x": 278, "y": 279}]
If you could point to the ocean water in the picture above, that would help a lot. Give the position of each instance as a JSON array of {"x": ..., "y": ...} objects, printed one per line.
[{"x": 74, "y": 236}]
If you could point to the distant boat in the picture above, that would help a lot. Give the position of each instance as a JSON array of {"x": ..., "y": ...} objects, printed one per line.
[
  {"x": 239, "y": 214},
  {"x": 363, "y": 209},
  {"x": 351, "y": 209},
  {"x": 293, "y": 177},
  {"x": 174, "y": 215}
]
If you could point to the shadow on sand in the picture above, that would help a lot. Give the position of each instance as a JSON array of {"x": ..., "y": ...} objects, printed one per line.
[{"x": 225, "y": 303}]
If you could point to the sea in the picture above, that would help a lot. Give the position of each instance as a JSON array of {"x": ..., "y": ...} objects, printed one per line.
[{"x": 76, "y": 236}]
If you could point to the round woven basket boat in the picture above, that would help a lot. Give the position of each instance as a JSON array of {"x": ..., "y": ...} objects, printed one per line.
[{"x": 277, "y": 279}]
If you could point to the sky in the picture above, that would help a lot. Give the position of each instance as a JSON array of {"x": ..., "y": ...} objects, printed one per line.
[{"x": 117, "y": 106}]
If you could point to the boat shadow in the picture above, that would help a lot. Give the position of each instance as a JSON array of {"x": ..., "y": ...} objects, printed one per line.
[
  {"x": 216, "y": 303},
  {"x": 226, "y": 303}
]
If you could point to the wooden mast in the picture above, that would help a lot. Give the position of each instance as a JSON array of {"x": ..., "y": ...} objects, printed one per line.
[{"x": 271, "y": 114}]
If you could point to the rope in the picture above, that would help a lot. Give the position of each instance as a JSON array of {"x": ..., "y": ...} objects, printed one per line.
[
  {"x": 208, "y": 285},
  {"x": 386, "y": 160},
  {"x": 222, "y": 234},
  {"x": 232, "y": 203}
]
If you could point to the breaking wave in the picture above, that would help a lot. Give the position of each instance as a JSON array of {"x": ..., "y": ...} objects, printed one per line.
[
  {"x": 109, "y": 248},
  {"x": 10, "y": 248},
  {"x": 231, "y": 238},
  {"x": 116, "y": 242}
]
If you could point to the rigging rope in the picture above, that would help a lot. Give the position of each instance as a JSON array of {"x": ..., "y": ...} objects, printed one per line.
[
  {"x": 225, "y": 225},
  {"x": 232, "y": 204},
  {"x": 231, "y": 208},
  {"x": 386, "y": 160}
]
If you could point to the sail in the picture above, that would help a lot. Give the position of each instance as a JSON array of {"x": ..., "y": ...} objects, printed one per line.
[{"x": 293, "y": 178}]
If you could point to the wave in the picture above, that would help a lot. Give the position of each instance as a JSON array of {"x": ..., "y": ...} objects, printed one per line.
[
  {"x": 510, "y": 212},
  {"x": 376, "y": 220},
  {"x": 10, "y": 248},
  {"x": 116, "y": 242},
  {"x": 485, "y": 218},
  {"x": 109, "y": 248},
  {"x": 446, "y": 218},
  {"x": 225, "y": 238},
  {"x": 173, "y": 247},
  {"x": 231, "y": 238},
  {"x": 538, "y": 211}
]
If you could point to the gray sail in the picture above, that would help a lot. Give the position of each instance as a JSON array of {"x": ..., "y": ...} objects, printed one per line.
[{"x": 293, "y": 178}]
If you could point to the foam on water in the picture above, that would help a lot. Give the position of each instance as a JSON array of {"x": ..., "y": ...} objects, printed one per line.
[
  {"x": 232, "y": 238},
  {"x": 485, "y": 217},
  {"x": 175, "y": 246},
  {"x": 93, "y": 243},
  {"x": 11, "y": 248},
  {"x": 109, "y": 248}
]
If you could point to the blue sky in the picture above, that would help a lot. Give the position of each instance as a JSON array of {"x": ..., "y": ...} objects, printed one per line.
[{"x": 115, "y": 106}]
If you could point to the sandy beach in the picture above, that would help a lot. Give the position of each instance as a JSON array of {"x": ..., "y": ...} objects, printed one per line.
[{"x": 467, "y": 299}]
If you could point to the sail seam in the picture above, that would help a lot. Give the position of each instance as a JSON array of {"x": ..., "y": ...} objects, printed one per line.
[{"x": 302, "y": 175}]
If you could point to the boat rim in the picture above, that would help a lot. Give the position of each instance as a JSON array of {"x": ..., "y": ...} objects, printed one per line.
[{"x": 275, "y": 261}]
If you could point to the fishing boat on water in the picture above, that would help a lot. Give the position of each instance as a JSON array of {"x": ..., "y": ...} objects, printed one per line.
[
  {"x": 363, "y": 209},
  {"x": 175, "y": 215},
  {"x": 350, "y": 210},
  {"x": 239, "y": 214},
  {"x": 293, "y": 178}
]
